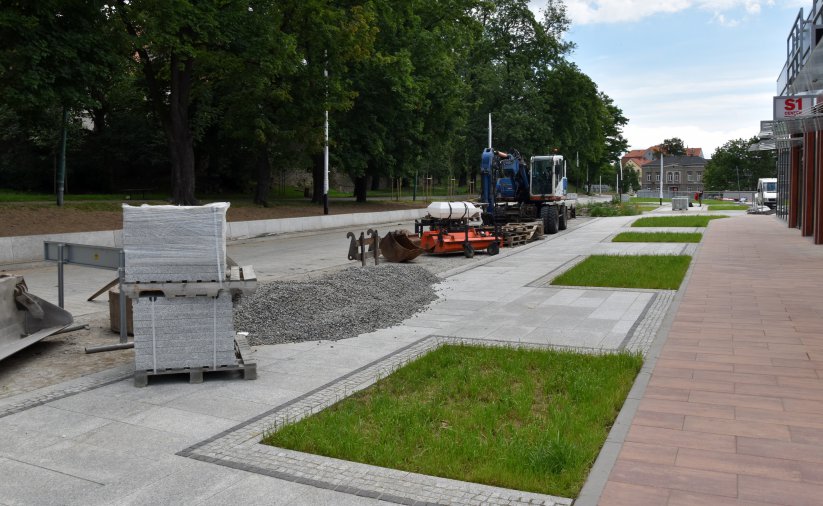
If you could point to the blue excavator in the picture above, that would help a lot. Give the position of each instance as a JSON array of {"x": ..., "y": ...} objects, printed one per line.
[{"x": 513, "y": 191}]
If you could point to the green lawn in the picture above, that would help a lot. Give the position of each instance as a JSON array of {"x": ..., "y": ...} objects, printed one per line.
[
  {"x": 528, "y": 420},
  {"x": 675, "y": 221},
  {"x": 657, "y": 237},
  {"x": 664, "y": 272},
  {"x": 728, "y": 207}
]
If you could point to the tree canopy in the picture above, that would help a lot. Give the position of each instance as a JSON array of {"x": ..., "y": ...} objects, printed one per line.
[
  {"x": 734, "y": 167},
  {"x": 674, "y": 147},
  {"x": 219, "y": 95}
]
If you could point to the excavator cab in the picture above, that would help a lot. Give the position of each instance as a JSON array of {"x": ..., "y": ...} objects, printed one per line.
[{"x": 545, "y": 174}]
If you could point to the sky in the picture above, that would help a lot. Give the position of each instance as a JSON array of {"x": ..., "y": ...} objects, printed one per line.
[{"x": 701, "y": 70}]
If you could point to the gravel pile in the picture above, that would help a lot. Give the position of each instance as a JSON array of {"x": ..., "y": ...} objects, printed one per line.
[{"x": 341, "y": 305}]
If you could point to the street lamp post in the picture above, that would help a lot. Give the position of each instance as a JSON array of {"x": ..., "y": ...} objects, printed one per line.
[
  {"x": 661, "y": 177},
  {"x": 738, "y": 180}
]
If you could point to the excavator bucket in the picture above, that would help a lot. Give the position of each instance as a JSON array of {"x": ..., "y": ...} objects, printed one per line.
[
  {"x": 398, "y": 246},
  {"x": 25, "y": 318}
]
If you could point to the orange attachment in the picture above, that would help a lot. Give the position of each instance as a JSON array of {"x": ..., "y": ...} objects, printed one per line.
[{"x": 440, "y": 242}]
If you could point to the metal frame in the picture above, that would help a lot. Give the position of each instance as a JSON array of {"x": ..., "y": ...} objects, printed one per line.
[{"x": 98, "y": 257}]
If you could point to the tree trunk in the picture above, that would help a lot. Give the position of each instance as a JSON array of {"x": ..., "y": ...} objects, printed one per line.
[
  {"x": 181, "y": 140},
  {"x": 261, "y": 194},
  {"x": 360, "y": 187},
  {"x": 317, "y": 178},
  {"x": 175, "y": 119}
]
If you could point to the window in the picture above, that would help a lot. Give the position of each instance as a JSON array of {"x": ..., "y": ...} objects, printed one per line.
[
  {"x": 699, "y": 176},
  {"x": 670, "y": 177},
  {"x": 690, "y": 177},
  {"x": 688, "y": 188},
  {"x": 657, "y": 178},
  {"x": 676, "y": 177},
  {"x": 649, "y": 177}
]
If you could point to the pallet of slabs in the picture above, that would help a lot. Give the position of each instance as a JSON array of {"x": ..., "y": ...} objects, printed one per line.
[
  {"x": 175, "y": 243},
  {"x": 242, "y": 364}
]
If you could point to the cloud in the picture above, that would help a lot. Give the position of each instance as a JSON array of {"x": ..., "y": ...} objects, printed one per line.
[{"x": 724, "y": 12}]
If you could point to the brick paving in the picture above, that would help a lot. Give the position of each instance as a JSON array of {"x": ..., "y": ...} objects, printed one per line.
[{"x": 733, "y": 412}]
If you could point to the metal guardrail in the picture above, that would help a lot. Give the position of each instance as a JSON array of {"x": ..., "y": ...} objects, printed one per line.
[{"x": 98, "y": 257}]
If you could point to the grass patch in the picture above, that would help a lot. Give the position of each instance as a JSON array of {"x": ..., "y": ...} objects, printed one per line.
[
  {"x": 657, "y": 237},
  {"x": 675, "y": 221},
  {"x": 728, "y": 207},
  {"x": 601, "y": 209},
  {"x": 528, "y": 420},
  {"x": 662, "y": 272}
]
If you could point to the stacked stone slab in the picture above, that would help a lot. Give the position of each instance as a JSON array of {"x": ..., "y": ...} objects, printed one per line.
[
  {"x": 175, "y": 243},
  {"x": 182, "y": 332},
  {"x": 179, "y": 244}
]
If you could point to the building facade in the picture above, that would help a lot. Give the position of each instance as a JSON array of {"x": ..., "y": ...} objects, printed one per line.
[
  {"x": 796, "y": 130},
  {"x": 680, "y": 174}
]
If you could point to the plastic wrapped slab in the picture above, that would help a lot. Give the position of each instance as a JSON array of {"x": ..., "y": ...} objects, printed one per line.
[
  {"x": 175, "y": 243},
  {"x": 182, "y": 332}
]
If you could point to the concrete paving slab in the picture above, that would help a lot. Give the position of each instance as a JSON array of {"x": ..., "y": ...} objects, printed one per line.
[
  {"x": 191, "y": 482},
  {"x": 18, "y": 440},
  {"x": 221, "y": 406},
  {"x": 136, "y": 440},
  {"x": 260, "y": 489},
  {"x": 54, "y": 421},
  {"x": 109, "y": 407},
  {"x": 179, "y": 421},
  {"x": 111, "y": 466},
  {"x": 51, "y": 487}
]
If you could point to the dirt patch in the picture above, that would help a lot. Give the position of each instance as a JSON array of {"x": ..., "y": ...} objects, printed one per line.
[
  {"x": 41, "y": 218},
  {"x": 62, "y": 357}
]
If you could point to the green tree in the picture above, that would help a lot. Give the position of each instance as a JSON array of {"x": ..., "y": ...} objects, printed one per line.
[
  {"x": 674, "y": 147},
  {"x": 732, "y": 165},
  {"x": 185, "y": 49},
  {"x": 409, "y": 93},
  {"x": 56, "y": 57}
]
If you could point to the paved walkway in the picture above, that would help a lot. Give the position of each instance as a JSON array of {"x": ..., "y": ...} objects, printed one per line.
[{"x": 733, "y": 412}]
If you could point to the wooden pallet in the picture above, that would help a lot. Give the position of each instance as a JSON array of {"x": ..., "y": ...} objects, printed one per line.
[
  {"x": 244, "y": 363},
  {"x": 512, "y": 239},
  {"x": 516, "y": 234},
  {"x": 240, "y": 279}
]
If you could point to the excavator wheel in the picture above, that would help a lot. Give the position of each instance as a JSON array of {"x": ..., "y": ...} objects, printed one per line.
[
  {"x": 493, "y": 249},
  {"x": 550, "y": 219},
  {"x": 468, "y": 250}
]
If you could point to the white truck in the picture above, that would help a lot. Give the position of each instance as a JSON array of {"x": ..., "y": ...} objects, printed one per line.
[{"x": 766, "y": 192}]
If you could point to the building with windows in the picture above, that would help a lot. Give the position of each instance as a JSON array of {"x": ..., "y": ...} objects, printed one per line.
[
  {"x": 680, "y": 174},
  {"x": 796, "y": 130}
]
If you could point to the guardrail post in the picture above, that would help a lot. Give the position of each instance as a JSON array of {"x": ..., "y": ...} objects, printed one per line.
[
  {"x": 124, "y": 324},
  {"x": 60, "y": 260}
]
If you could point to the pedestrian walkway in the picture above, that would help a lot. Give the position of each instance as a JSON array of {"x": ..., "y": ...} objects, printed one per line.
[{"x": 733, "y": 412}]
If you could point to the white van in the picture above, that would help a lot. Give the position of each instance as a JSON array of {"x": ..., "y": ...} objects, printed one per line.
[{"x": 766, "y": 192}]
